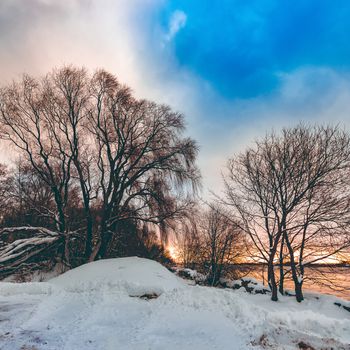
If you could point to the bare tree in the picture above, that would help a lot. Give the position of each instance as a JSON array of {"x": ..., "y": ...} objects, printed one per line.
[
  {"x": 143, "y": 160},
  {"x": 252, "y": 193},
  {"x": 220, "y": 242},
  {"x": 188, "y": 241},
  {"x": 67, "y": 94},
  {"x": 25, "y": 122},
  {"x": 290, "y": 192},
  {"x": 127, "y": 157},
  {"x": 316, "y": 197},
  {"x": 209, "y": 241}
]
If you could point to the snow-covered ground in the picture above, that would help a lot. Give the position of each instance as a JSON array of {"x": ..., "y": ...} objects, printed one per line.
[{"x": 105, "y": 305}]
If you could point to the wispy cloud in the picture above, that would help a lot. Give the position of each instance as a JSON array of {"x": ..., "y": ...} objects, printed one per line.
[{"x": 177, "y": 22}]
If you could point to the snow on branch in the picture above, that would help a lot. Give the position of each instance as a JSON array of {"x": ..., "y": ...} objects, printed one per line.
[{"x": 22, "y": 245}]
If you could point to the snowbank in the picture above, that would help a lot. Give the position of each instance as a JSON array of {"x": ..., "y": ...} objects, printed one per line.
[
  {"x": 250, "y": 284},
  {"x": 193, "y": 275},
  {"x": 134, "y": 275},
  {"x": 90, "y": 308}
]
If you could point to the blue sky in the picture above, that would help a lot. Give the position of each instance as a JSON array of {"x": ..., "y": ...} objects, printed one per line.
[
  {"x": 236, "y": 69},
  {"x": 241, "y": 46}
]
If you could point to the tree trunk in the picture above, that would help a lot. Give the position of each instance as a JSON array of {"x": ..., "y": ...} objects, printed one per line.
[
  {"x": 211, "y": 275},
  {"x": 281, "y": 281},
  {"x": 66, "y": 250},
  {"x": 298, "y": 283},
  {"x": 102, "y": 252},
  {"x": 104, "y": 241},
  {"x": 298, "y": 291},
  {"x": 62, "y": 228},
  {"x": 272, "y": 280},
  {"x": 88, "y": 242}
]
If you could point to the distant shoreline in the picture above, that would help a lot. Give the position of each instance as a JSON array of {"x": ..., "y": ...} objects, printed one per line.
[{"x": 287, "y": 264}]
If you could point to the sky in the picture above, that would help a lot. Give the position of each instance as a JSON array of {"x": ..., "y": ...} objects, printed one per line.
[{"x": 236, "y": 69}]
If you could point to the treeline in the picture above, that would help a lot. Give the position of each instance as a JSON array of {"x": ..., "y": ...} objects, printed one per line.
[
  {"x": 289, "y": 197},
  {"x": 104, "y": 174}
]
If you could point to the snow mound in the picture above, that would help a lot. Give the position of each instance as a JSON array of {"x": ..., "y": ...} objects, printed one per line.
[{"x": 134, "y": 275}]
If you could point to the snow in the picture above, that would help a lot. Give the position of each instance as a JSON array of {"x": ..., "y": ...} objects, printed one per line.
[
  {"x": 251, "y": 285},
  {"x": 98, "y": 306},
  {"x": 31, "y": 228},
  {"x": 134, "y": 275},
  {"x": 194, "y": 275},
  {"x": 15, "y": 249}
]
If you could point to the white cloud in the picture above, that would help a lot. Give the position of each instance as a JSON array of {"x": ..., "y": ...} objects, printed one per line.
[
  {"x": 309, "y": 94},
  {"x": 36, "y": 35},
  {"x": 177, "y": 22}
]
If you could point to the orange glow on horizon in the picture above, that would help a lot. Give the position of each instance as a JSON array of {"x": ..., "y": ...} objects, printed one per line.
[{"x": 173, "y": 252}]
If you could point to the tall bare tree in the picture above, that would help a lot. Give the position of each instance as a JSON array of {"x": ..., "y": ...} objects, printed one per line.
[
  {"x": 142, "y": 158},
  {"x": 252, "y": 193},
  {"x": 67, "y": 96},
  {"x": 292, "y": 190},
  {"x": 26, "y": 121},
  {"x": 316, "y": 197},
  {"x": 128, "y": 157}
]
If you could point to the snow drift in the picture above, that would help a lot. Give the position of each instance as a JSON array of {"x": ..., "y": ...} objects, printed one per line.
[
  {"x": 134, "y": 275},
  {"x": 92, "y": 308}
]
